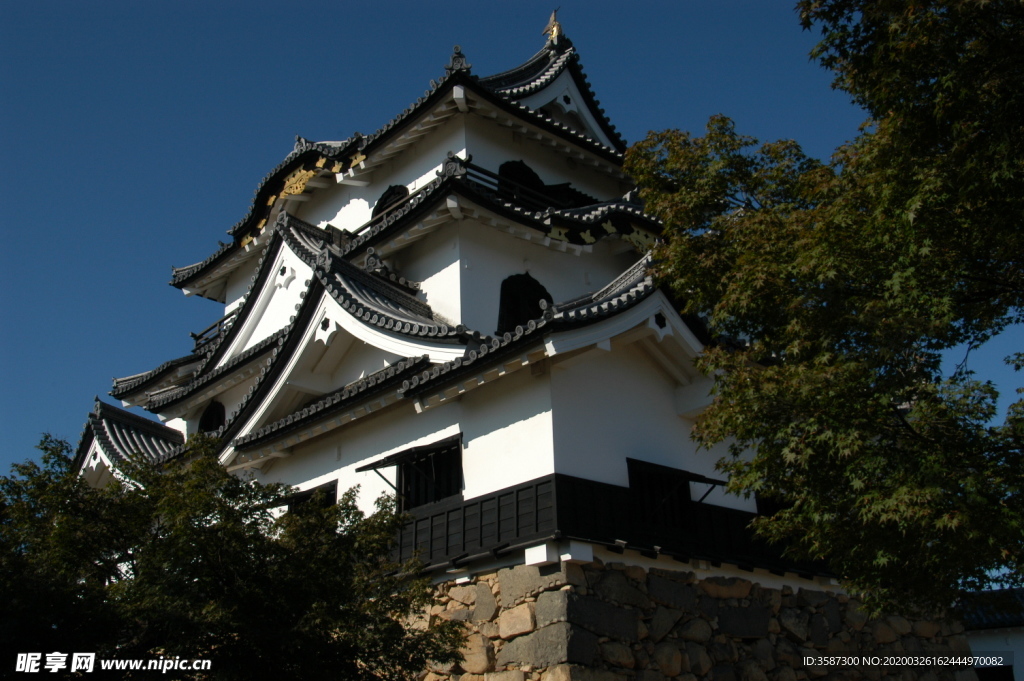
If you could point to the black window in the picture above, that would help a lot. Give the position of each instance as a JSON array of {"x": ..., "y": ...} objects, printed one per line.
[
  {"x": 389, "y": 198},
  {"x": 519, "y": 301},
  {"x": 426, "y": 473},
  {"x": 317, "y": 497},
  {"x": 212, "y": 418},
  {"x": 516, "y": 180},
  {"x": 431, "y": 475}
]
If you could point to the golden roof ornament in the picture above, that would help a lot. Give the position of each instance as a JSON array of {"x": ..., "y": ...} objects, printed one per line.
[{"x": 553, "y": 29}]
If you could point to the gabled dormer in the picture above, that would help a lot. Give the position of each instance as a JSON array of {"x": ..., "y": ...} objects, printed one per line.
[{"x": 552, "y": 83}]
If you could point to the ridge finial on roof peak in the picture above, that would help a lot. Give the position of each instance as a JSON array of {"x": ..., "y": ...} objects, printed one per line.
[
  {"x": 458, "y": 62},
  {"x": 553, "y": 29}
]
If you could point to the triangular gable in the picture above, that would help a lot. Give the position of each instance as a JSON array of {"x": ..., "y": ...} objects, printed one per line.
[
  {"x": 281, "y": 280},
  {"x": 111, "y": 435},
  {"x": 339, "y": 359},
  {"x": 553, "y": 82}
]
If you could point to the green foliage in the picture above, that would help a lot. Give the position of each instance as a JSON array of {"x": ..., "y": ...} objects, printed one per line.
[
  {"x": 834, "y": 289},
  {"x": 191, "y": 561}
]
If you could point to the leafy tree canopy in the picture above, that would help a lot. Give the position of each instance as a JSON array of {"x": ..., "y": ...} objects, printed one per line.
[
  {"x": 191, "y": 561},
  {"x": 835, "y": 287}
]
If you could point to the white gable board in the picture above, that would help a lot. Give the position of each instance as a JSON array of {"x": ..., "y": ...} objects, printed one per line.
[
  {"x": 275, "y": 302},
  {"x": 561, "y": 99}
]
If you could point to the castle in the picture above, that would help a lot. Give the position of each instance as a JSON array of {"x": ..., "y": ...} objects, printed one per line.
[{"x": 457, "y": 309}]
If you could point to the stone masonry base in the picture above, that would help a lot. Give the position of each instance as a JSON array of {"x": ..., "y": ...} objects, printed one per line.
[{"x": 617, "y": 622}]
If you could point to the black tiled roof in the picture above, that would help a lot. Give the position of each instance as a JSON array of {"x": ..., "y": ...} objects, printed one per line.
[
  {"x": 166, "y": 398},
  {"x": 628, "y": 289},
  {"x": 476, "y": 358},
  {"x": 414, "y": 376},
  {"x": 454, "y": 177},
  {"x": 387, "y": 304},
  {"x": 575, "y": 221},
  {"x": 180, "y": 275},
  {"x": 122, "y": 434},
  {"x": 499, "y": 90},
  {"x": 379, "y": 268},
  {"x": 993, "y": 609},
  {"x": 216, "y": 349},
  {"x": 129, "y": 384},
  {"x": 303, "y": 148},
  {"x": 366, "y": 296},
  {"x": 544, "y": 67},
  {"x": 286, "y": 343},
  {"x": 364, "y": 388}
]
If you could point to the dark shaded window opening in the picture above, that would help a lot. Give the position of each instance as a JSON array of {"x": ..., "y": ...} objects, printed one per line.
[
  {"x": 213, "y": 417},
  {"x": 519, "y": 183},
  {"x": 322, "y": 496},
  {"x": 392, "y": 195},
  {"x": 519, "y": 301},
  {"x": 432, "y": 475},
  {"x": 516, "y": 180}
]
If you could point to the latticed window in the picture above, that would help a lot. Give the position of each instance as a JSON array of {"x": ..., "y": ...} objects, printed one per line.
[
  {"x": 431, "y": 475},
  {"x": 426, "y": 473}
]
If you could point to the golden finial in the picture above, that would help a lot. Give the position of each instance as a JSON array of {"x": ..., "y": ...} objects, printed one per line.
[{"x": 553, "y": 29}]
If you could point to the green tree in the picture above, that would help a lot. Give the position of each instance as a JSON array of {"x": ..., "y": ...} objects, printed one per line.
[
  {"x": 188, "y": 560},
  {"x": 834, "y": 289}
]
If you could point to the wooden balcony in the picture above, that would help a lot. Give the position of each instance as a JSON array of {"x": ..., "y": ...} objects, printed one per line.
[{"x": 663, "y": 521}]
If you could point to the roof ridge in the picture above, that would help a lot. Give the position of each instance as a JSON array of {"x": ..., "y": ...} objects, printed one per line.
[
  {"x": 200, "y": 380},
  {"x": 128, "y": 384},
  {"x": 333, "y": 400},
  {"x": 103, "y": 410},
  {"x": 540, "y": 61}
]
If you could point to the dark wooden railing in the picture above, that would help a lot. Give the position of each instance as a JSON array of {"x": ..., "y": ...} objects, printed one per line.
[
  {"x": 494, "y": 185},
  {"x": 658, "y": 519},
  {"x": 456, "y": 529},
  {"x": 213, "y": 332},
  {"x": 553, "y": 196}
]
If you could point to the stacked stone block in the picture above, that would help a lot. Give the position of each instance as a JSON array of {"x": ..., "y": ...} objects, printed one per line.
[{"x": 620, "y": 622}]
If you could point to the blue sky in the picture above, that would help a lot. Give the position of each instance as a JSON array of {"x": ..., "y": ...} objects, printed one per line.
[{"x": 134, "y": 134}]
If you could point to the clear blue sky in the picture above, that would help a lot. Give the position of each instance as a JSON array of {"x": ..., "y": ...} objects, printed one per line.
[{"x": 133, "y": 134}]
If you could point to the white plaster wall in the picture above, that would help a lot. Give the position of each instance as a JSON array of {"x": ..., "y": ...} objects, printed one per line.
[
  {"x": 488, "y": 256},
  {"x": 1010, "y": 640},
  {"x": 349, "y": 207},
  {"x": 612, "y": 405},
  {"x": 506, "y": 430},
  {"x": 507, "y": 427},
  {"x": 337, "y": 455},
  {"x": 434, "y": 262},
  {"x": 236, "y": 286},
  {"x": 491, "y": 145},
  {"x": 276, "y": 301},
  {"x": 362, "y": 359},
  {"x": 179, "y": 425}
]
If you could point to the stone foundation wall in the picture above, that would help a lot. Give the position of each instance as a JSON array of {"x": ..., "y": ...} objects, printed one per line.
[{"x": 618, "y": 622}]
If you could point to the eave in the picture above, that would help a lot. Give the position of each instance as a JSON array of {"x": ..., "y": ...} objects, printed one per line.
[
  {"x": 369, "y": 394},
  {"x": 130, "y": 388},
  {"x": 122, "y": 434},
  {"x": 312, "y": 165},
  {"x": 543, "y": 69},
  {"x": 459, "y": 192}
]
